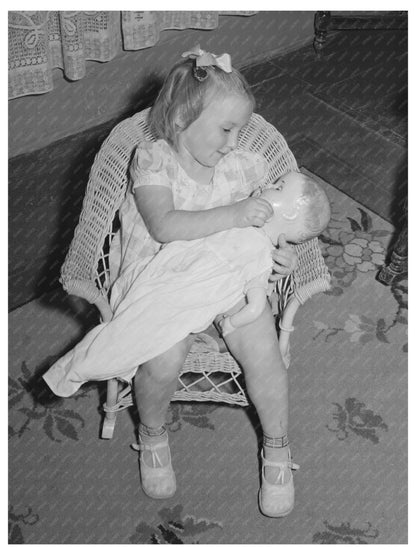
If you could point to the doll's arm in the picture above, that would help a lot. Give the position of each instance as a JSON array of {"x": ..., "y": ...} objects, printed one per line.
[{"x": 256, "y": 301}]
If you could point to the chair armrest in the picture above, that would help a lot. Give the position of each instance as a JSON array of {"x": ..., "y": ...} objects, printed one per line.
[
  {"x": 87, "y": 290},
  {"x": 311, "y": 275}
]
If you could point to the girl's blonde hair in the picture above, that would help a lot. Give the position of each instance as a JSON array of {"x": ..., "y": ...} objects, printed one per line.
[{"x": 183, "y": 97}]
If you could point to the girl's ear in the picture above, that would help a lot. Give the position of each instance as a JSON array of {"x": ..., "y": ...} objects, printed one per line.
[{"x": 179, "y": 121}]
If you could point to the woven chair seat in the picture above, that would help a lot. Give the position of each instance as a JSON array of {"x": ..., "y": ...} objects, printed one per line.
[{"x": 210, "y": 376}]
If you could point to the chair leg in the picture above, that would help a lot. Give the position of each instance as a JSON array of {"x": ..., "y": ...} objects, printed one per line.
[
  {"x": 110, "y": 416},
  {"x": 321, "y": 24}
]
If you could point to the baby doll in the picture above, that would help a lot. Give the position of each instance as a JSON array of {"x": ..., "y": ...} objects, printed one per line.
[
  {"x": 188, "y": 283},
  {"x": 301, "y": 212}
]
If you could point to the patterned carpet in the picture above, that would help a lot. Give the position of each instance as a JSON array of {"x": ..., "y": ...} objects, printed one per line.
[{"x": 348, "y": 427}]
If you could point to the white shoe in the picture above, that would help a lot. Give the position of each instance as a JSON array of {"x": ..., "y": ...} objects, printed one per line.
[
  {"x": 278, "y": 499},
  {"x": 158, "y": 481}
]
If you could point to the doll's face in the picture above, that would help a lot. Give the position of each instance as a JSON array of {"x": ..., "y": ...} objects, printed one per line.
[
  {"x": 286, "y": 200},
  {"x": 285, "y": 195}
]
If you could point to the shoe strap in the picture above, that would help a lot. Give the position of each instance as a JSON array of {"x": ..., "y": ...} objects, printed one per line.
[
  {"x": 152, "y": 447},
  {"x": 281, "y": 465}
]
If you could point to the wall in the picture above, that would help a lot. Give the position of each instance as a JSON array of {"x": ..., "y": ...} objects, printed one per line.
[
  {"x": 110, "y": 89},
  {"x": 53, "y": 137}
]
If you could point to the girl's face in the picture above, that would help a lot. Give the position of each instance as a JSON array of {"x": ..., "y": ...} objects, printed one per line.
[{"x": 215, "y": 133}]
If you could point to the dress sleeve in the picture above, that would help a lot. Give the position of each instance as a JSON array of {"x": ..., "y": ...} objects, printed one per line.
[
  {"x": 254, "y": 168},
  {"x": 152, "y": 164}
]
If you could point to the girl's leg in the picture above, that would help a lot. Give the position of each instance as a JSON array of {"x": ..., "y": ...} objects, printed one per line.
[
  {"x": 156, "y": 381},
  {"x": 154, "y": 384},
  {"x": 256, "y": 348}
]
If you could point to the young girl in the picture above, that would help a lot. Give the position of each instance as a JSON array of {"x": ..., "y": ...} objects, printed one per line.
[{"x": 187, "y": 185}]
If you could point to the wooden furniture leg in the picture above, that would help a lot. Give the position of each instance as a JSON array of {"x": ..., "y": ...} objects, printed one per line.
[
  {"x": 321, "y": 23},
  {"x": 110, "y": 415},
  {"x": 398, "y": 260},
  {"x": 342, "y": 21}
]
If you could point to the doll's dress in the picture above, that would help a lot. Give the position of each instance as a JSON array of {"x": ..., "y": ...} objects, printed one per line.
[
  {"x": 179, "y": 292},
  {"x": 236, "y": 176}
]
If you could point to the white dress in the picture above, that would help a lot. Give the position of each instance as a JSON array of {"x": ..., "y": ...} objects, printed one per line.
[
  {"x": 139, "y": 301},
  {"x": 179, "y": 292}
]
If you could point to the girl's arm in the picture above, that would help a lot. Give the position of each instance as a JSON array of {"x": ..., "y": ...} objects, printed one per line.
[{"x": 165, "y": 224}]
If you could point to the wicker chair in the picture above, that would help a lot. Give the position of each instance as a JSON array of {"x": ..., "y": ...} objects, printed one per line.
[{"x": 212, "y": 375}]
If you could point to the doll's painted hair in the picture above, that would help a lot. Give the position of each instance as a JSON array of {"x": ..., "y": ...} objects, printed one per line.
[
  {"x": 315, "y": 208},
  {"x": 183, "y": 97}
]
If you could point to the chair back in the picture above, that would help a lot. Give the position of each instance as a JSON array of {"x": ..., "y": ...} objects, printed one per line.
[{"x": 87, "y": 261}]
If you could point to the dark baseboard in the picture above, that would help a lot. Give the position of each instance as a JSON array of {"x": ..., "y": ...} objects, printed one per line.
[{"x": 46, "y": 189}]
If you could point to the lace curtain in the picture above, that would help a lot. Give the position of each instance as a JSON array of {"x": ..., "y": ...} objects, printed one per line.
[{"x": 40, "y": 41}]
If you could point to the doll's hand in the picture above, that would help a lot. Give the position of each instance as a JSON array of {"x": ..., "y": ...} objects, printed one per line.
[
  {"x": 285, "y": 259},
  {"x": 252, "y": 212},
  {"x": 225, "y": 325}
]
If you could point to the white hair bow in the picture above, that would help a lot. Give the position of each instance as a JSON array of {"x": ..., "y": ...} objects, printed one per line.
[{"x": 204, "y": 59}]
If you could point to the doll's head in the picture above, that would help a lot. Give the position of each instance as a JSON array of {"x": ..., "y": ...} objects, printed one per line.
[
  {"x": 301, "y": 208},
  {"x": 188, "y": 89}
]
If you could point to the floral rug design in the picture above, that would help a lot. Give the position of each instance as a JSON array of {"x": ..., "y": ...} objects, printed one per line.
[
  {"x": 345, "y": 533},
  {"x": 348, "y": 427},
  {"x": 354, "y": 417},
  {"x": 172, "y": 528},
  {"x": 351, "y": 246}
]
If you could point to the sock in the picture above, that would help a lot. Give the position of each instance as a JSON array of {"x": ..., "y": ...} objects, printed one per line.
[
  {"x": 275, "y": 449},
  {"x": 150, "y": 435},
  {"x": 275, "y": 442},
  {"x": 147, "y": 431}
]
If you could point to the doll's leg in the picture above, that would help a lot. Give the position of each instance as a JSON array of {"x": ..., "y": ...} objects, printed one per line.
[{"x": 256, "y": 299}]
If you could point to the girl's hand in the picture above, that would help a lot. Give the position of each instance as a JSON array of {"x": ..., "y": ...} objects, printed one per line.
[
  {"x": 252, "y": 211},
  {"x": 285, "y": 259}
]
